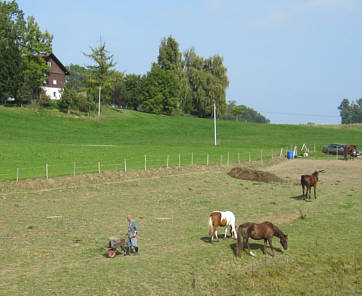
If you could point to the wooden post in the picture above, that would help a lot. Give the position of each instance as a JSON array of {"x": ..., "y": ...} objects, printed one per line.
[
  {"x": 281, "y": 153},
  {"x": 73, "y": 169},
  {"x": 179, "y": 160},
  {"x": 145, "y": 162},
  {"x": 207, "y": 159},
  {"x": 17, "y": 175},
  {"x": 99, "y": 167},
  {"x": 261, "y": 155},
  {"x": 46, "y": 171},
  {"x": 125, "y": 165},
  {"x": 238, "y": 157}
]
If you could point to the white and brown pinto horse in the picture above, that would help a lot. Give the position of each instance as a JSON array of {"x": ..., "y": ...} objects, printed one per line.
[{"x": 223, "y": 219}]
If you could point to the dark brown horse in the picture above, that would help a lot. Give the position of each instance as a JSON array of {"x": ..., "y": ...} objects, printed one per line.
[
  {"x": 350, "y": 150},
  {"x": 265, "y": 230},
  {"x": 309, "y": 181}
]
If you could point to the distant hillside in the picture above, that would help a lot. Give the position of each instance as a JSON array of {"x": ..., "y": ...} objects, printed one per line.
[{"x": 30, "y": 139}]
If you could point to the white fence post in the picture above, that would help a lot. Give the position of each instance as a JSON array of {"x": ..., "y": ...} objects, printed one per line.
[
  {"x": 228, "y": 162},
  {"x": 207, "y": 159},
  {"x": 192, "y": 158},
  {"x": 17, "y": 175},
  {"x": 220, "y": 159},
  {"x": 145, "y": 162},
  {"x": 99, "y": 167},
  {"x": 125, "y": 165},
  {"x": 74, "y": 166},
  {"x": 179, "y": 160}
]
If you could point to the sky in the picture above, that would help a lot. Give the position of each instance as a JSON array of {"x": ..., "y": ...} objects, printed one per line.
[{"x": 294, "y": 61}]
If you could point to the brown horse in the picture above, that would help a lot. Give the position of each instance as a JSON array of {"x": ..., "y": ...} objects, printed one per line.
[
  {"x": 309, "y": 181},
  {"x": 265, "y": 230},
  {"x": 350, "y": 150}
]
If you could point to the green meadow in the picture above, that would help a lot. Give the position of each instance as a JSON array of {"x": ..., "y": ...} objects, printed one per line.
[
  {"x": 32, "y": 138},
  {"x": 53, "y": 232}
]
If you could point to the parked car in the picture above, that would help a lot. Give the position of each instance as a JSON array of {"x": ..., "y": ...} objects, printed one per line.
[{"x": 333, "y": 148}]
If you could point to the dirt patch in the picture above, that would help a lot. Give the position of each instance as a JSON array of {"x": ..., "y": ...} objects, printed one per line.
[{"x": 253, "y": 175}]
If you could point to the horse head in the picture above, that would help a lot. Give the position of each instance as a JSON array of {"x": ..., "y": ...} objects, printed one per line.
[{"x": 284, "y": 241}]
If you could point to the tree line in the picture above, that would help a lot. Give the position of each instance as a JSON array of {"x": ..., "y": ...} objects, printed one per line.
[
  {"x": 350, "y": 112},
  {"x": 177, "y": 83}
]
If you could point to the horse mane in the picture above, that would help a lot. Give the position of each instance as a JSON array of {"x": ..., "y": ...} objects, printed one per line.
[{"x": 277, "y": 231}]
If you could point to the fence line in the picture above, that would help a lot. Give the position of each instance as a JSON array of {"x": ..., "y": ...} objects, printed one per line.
[{"x": 149, "y": 162}]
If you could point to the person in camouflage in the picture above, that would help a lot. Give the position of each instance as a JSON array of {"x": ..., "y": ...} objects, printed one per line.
[{"x": 132, "y": 235}]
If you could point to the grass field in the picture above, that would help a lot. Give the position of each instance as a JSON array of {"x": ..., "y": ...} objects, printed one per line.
[
  {"x": 30, "y": 139},
  {"x": 52, "y": 233}
]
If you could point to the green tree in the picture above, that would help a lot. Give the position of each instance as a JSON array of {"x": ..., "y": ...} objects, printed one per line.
[
  {"x": 69, "y": 98},
  {"x": 160, "y": 89},
  {"x": 35, "y": 44},
  {"x": 170, "y": 58},
  {"x": 207, "y": 82},
  {"x": 345, "y": 110},
  {"x": 100, "y": 72},
  {"x": 132, "y": 89},
  {"x": 11, "y": 38},
  {"x": 21, "y": 43}
]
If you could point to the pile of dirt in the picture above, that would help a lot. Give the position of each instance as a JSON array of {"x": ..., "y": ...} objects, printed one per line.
[{"x": 253, "y": 175}]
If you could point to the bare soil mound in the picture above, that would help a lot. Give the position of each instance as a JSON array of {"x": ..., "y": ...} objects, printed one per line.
[{"x": 253, "y": 175}]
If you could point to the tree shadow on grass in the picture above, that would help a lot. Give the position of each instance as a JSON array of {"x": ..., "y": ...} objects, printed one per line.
[{"x": 255, "y": 246}]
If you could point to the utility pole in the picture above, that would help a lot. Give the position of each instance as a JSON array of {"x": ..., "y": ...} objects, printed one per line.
[
  {"x": 99, "y": 102},
  {"x": 215, "y": 142}
]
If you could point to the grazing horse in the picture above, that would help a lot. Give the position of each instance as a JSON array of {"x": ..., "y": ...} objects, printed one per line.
[
  {"x": 310, "y": 181},
  {"x": 223, "y": 219},
  {"x": 265, "y": 230},
  {"x": 350, "y": 149}
]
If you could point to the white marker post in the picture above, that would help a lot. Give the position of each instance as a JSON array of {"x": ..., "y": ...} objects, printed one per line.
[
  {"x": 215, "y": 142},
  {"x": 99, "y": 102}
]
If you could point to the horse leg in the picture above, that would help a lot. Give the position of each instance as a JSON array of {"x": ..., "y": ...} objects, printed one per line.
[
  {"x": 315, "y": 191},
  {"x": 226, "y": 231},
  {"x": 264, "y": 251},
  {"x": 303, "y": 189},
  {"x": 271, "y": 245},
  {"x": 240, "y": 246},
  {"x": 250, "y": 251}
]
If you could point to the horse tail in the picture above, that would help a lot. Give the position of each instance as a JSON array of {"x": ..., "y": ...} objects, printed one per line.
[
  {"x": 240, "y": 243},
  {"x": 211, "y": 227}
]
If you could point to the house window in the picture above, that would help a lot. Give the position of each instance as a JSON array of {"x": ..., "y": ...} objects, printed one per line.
[{"x": 54, "y": 81}]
